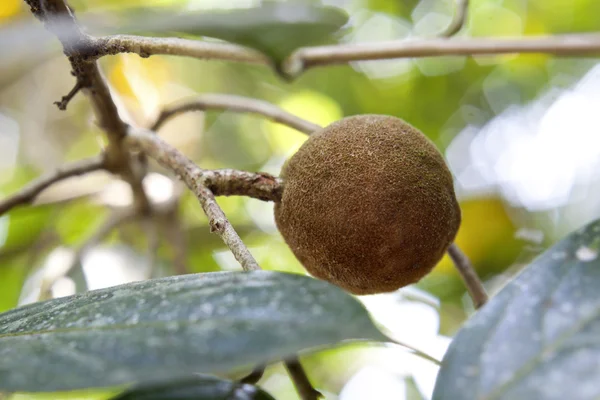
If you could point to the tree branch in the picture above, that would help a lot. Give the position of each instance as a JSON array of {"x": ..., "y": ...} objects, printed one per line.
[
  {"x": 458, "y": 20},
  {"x": 229, "y": 182},
  {"x": 301, "y": 381},
  {"x": 147, "y": 46},
  {"x": 176, "y": 238},
  {"x": 238, "y": 104},
  {"x": 469, "y": 276},
  {"x": 585, "y": 44},
  {"x": 58, "y": 19},
  {"x": 195, "y": 179},
  {"x": 28, "y": 193}
]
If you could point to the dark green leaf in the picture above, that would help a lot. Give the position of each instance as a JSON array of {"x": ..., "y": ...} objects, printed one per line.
[
  {"x": 539, "y": 337},
  {"x": 172, "y": 327},
  {"x": 202, "y": 387}
]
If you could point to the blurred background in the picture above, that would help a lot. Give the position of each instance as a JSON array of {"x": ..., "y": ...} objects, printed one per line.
[{"x": 521, "y": 134}]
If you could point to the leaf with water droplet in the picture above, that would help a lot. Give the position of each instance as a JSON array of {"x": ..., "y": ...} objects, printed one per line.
[
  {"x": 172, "y": 327},
  {"x": 201, "y": 387},
  {"x": 538, "y": 337}
]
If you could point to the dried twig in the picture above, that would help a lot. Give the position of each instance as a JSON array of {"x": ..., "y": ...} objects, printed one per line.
[
  {"x": 62, "y": 104},
  {"x": 28, "y": 193},
  {"x": 238, "y": 104},
  {"x": 458, "y": 20},
  {"x": 469, "y": 276},
  {"x": 561, "y": 45},
  {"x": 301, "y": 381},
  {"x": 193, "y": 177}
]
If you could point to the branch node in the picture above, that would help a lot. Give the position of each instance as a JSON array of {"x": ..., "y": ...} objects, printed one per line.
[{"x": 217, "y": 226}]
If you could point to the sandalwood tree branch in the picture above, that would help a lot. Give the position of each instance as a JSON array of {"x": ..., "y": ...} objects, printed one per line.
[
  {"x": 194, "y": 177},
  {"x": 147, "y": 46},
  {"x": 469, "y": 276},
  {"x": 585, "y": 44},
  {"x": 28, "y": 193},
  {"x": 238, "y": 104}
]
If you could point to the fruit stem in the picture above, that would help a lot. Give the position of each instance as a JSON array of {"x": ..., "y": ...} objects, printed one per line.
[{"x": 468, "y": 275}]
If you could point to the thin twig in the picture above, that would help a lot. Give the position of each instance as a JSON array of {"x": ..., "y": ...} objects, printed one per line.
[
  {"x": 469, "y": 275},
  {"x": 238, "y": 104},
  {"x": 458, "y": 20},
  {"x": 176, "y": 237},
  {"x": 64, "y": 101},
  {"x": 147, "y": 46},
  {"x": 585, "y": 44},
  {"x": 28, "y": 193},
  {"x": 301, "y": 381},
  {"x": 253, "y": 377},
  {"x": 416, "y": 352},
  {"x": 152, "y": 233},
  {"x": 193, "y": 177}
]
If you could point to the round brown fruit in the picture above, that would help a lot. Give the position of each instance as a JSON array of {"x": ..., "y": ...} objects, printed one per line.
[{"x": 368, "y": 204}]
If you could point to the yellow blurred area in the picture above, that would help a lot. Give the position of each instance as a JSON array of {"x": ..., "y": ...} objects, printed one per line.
[
  {"x": 313, "y": 106},
  {"x": 485, "y": 223},
  {"x": 9, "y": 8},
  {"x": 75, "y": 395},
  {"x": 523, "y": 63},
  {"x": 534, "y": 26},
  {"x": 490, "y": 19},
  {"x": 140, "y": 82}
]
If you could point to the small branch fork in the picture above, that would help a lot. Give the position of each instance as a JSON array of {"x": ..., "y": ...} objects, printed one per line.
[{"x": 28, "y": 193}]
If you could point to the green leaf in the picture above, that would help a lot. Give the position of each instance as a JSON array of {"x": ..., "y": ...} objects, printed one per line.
[
  {"x": 172, "y": 327},
  {"x": 539, "y": 337},
  {"x": 201, "y": 387},
  {"x": 274, "y": 28}
]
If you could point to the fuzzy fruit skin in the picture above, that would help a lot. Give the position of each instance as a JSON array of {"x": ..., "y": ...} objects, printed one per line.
[{"x": 368, "y": 204}]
